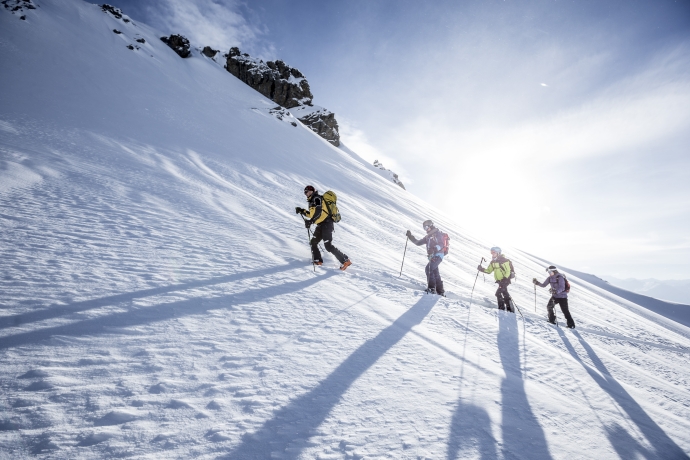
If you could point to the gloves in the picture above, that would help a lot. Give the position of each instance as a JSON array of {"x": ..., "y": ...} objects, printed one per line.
[
  {"x": 409, "y": 234},
  {"x": 307, "y": 223},
  {"x": 534, "y": 281},
  {"x": 299, "y": 210},
  {"x": 480, "y": 268}
]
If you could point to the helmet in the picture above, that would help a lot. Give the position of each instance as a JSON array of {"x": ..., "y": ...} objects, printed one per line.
[
  {"x": 551, "y": 268},
  {"x": 427, "y": 224},
  {"x": 495, "y": 249},
  {"x": 309, "y": 188}
]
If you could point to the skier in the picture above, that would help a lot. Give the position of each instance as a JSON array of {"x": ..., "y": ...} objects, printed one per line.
[
  {"x": 435, "y": 246},
  {"x": 502, "y": 270},
  {"x": 316, "y": 214},
  {"x": 559, "y": 295}
]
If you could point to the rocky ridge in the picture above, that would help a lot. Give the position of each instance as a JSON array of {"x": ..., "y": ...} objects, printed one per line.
[
  {"x": 179, "y": 44},
  {"x": 276, "y": 80},
  {"x": 286, "y": 86}
]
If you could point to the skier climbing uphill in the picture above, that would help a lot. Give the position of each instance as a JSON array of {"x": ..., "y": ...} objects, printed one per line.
[
  {"x": 559, "y": 295},
  {"x": 436, "y": 247},
  {"x": 502, "y": 269},
  {"x": 318, "y": 213}
]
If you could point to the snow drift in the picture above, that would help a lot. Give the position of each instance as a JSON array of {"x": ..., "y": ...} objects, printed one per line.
[{"x": 157, "y": 300}]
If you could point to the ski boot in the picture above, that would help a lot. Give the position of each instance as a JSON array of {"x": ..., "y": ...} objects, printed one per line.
[
  {"x": 345, "y": 264},
  {"x": 430, "y": 291}
]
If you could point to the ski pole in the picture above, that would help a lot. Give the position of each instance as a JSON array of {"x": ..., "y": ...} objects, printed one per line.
[
  {"x": 535, "y": 298},
  {"x": 518, "y": 308},
  {"x": 312, "y": 257},
  {"x": 475, "y": 283},
  {"x": 309, "y": 233},
  {"x": 404, "y": 252}
]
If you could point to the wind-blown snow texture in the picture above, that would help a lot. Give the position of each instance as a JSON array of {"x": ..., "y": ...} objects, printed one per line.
[{"x": 157, "y": 300}]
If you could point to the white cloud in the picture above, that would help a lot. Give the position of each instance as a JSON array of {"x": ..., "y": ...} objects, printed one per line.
[{"x": 216, "y": 23}]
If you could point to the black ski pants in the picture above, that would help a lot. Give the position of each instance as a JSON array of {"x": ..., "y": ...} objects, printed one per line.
[
  {"x": 564, "y": 308},
  {"x": 433, "y": 276},
  {"x": 324, "y": 231},
  {"x": 503, "y": 296}
]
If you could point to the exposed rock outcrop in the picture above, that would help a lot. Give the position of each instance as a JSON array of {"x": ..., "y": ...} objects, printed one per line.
[
  {"x": 275, "y": 80},
  {"x": 18, "y": 6},
  {"x": 286, "y": 86},
  {"x": 179, "y": 44},
  {"x": 389, "y": 174},
  {"x": 320, "y": 120},
  {"x": 209, "y": 52},
  {"x": 115, "y": 12}
]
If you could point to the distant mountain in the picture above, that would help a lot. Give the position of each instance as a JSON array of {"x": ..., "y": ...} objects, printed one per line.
[{"x": 670, "y": 290}]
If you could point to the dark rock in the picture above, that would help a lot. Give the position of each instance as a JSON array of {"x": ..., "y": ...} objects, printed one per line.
[
  {"x": 130, "y": 47},
  {"x": 323, "y": 123},
  {"x": 178, "y": 43},
  {"x": 140, "y": 40},
  {"x": 125, "y": 20},
  {"x": 23, "y": 18},
  {"x": 116, "y": 12},
  {"x": 117, "y": 31},
  {"x": 275, "y": 80},
  {"x": 209, "y": 52}
]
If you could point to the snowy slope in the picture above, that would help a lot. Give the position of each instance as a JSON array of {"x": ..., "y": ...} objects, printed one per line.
[{"x": 156, "y": 299}]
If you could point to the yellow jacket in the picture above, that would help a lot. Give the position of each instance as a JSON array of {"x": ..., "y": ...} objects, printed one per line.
[
  {"x": 500, "y": 267},
  {"x": 316, "y": 213}
]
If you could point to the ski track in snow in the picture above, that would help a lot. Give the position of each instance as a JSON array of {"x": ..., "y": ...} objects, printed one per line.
[{"x": 157, "y": 300}]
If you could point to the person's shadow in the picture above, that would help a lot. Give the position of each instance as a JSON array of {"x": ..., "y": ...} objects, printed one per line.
[
  {"x": 288, "y": 432},
  {"x": 523, "y": 436},
  {"x": 623, "y": 442}
]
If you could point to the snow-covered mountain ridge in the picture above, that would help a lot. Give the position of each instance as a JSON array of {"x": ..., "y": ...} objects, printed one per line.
[{"x": 157, "y": 299}]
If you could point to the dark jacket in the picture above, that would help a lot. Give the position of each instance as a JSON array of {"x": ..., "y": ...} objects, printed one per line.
[
  {"x": 433, "y": 241},
  {"x": 557, "y": 282}
]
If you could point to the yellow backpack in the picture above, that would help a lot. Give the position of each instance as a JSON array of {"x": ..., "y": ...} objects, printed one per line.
[{"x": 330, "y": 199}]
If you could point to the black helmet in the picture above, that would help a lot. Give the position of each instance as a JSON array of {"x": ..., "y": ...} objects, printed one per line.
[
  {"x": 309, "y": 188},
  {"x": 552, "y": 268},
  {"x": 427, "y": 224}
]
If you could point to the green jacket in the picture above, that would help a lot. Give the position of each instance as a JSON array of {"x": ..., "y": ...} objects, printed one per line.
[{"x": 499, "y": 267}]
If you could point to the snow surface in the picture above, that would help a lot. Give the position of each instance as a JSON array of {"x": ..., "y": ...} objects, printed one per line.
[{"x": 156, "y": 299}]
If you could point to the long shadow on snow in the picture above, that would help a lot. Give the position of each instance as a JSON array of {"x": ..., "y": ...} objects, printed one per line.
[
  {"x": 160, "y": 312},
  {"x": 622, "y": 441},
  {"x": 55, "y": 311},
  {"x": 292, "y": 425},
  {"x": 470, "y": 427},
  {"x": 523, "y": 436}
]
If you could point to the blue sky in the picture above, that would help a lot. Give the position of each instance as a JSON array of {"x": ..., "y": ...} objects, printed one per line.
[{"x": 557, "y": 127}]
